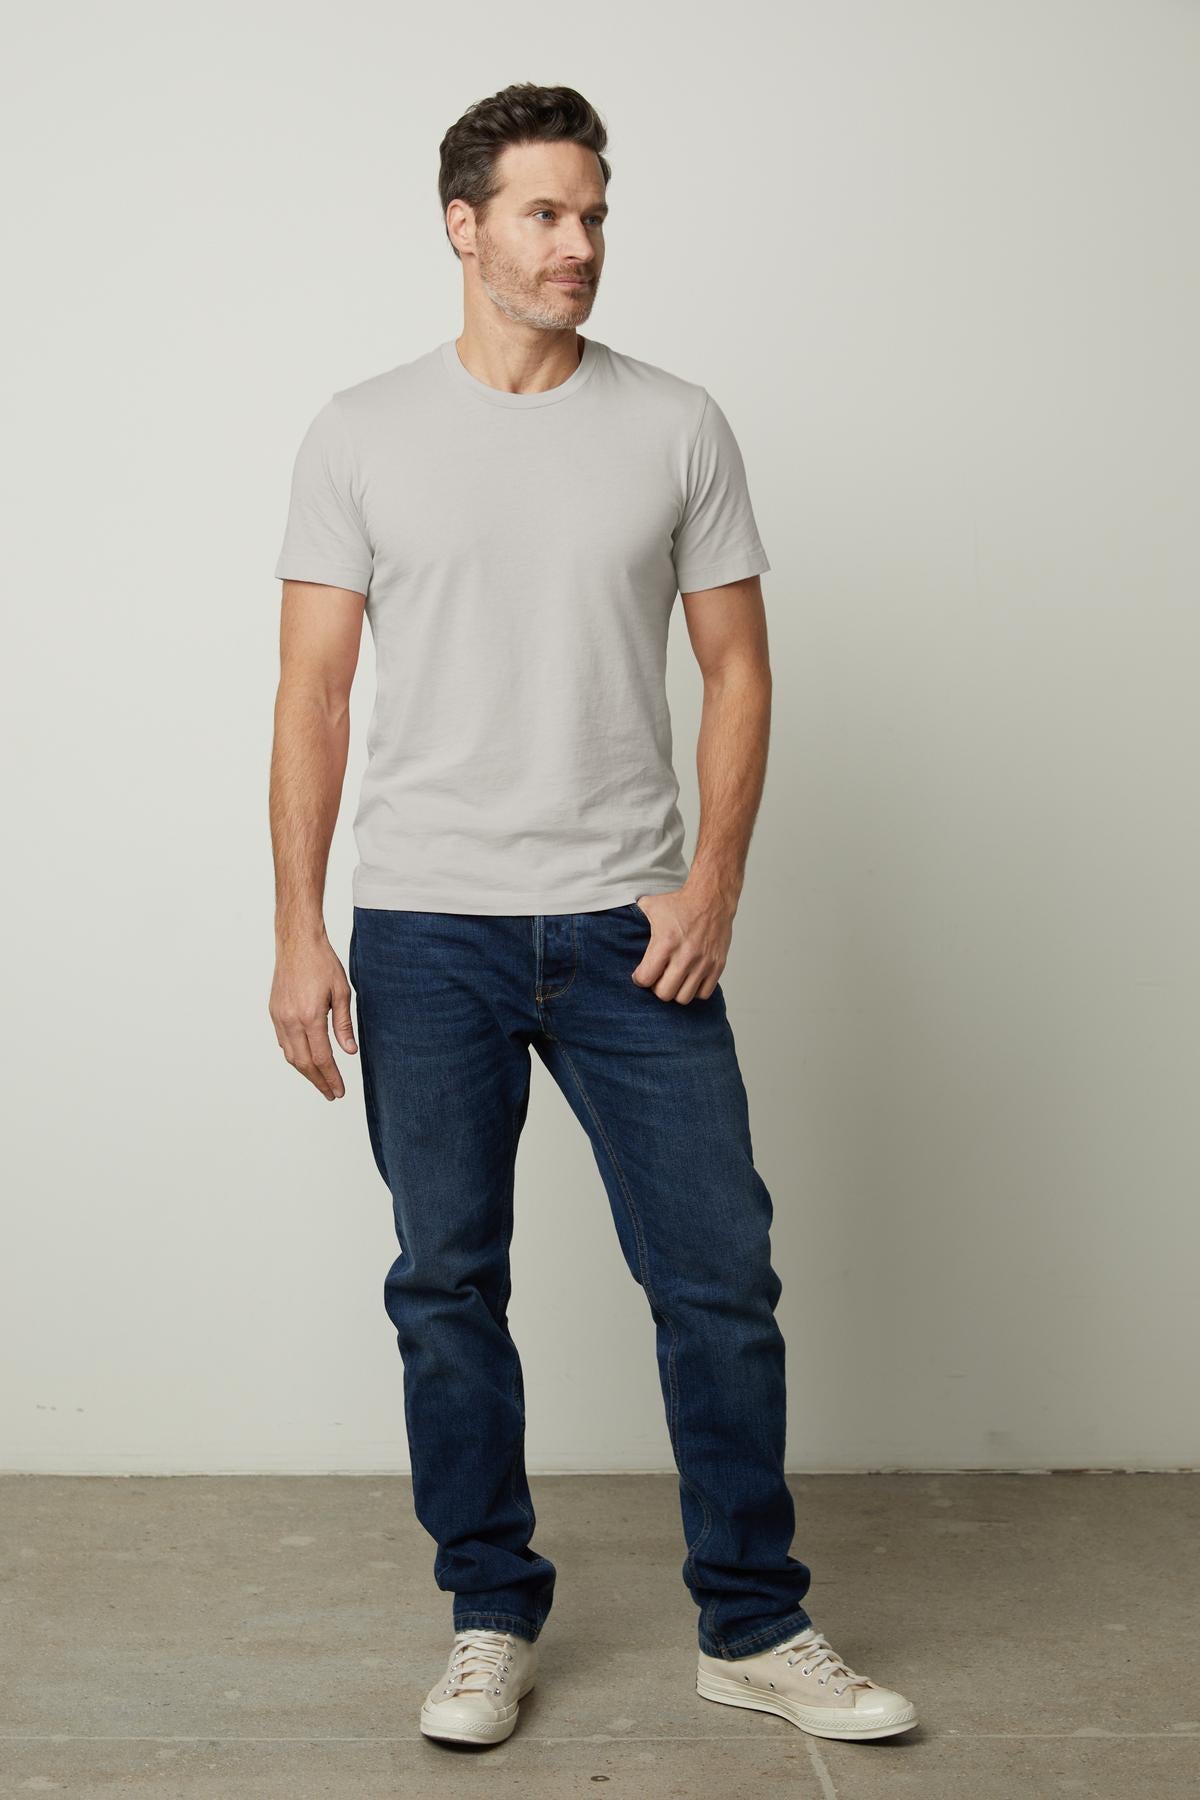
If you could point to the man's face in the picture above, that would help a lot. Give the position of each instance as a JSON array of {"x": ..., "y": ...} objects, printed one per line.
[{"x": 541, "y": 246}]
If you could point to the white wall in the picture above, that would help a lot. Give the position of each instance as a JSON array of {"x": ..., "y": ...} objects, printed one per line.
[{"x": 938, "y": 262}]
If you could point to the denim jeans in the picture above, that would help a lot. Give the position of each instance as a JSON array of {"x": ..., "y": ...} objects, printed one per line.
[{"x": 448, "y": 1005}]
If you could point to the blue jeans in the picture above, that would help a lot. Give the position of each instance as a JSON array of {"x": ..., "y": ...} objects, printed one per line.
[{"x": 448, "y": 1005}]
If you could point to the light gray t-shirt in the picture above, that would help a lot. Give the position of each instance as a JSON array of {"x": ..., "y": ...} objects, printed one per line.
[{"x": 520, "y": 555}]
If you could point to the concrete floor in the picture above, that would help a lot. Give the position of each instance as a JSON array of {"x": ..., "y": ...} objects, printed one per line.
[{"x": 225, "y": 1638}]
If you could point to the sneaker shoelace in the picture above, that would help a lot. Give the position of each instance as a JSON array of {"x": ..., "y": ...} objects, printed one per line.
[
  {"x": 818, "y": 1653},
  {"x": 478, "y": 1663}
]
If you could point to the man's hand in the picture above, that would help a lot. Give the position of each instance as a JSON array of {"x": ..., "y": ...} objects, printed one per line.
[
  {"x": 309, "y": 979},
  {"x": 690, "y": 933}
]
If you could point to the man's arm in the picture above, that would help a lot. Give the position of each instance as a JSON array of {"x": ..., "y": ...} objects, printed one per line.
[
  {"x": 691, "y": 928},
  {"x": 320, "y": 632}
]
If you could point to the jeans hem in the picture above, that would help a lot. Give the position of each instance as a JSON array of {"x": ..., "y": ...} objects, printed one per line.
[
  {"x": 778, "y": 1633},
  {"x": 498, "y": 1621}
]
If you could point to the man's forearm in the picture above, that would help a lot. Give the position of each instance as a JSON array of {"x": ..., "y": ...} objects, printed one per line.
[
  {"x": 308, "y": 767},
  {"x": 731, "y": 764}
]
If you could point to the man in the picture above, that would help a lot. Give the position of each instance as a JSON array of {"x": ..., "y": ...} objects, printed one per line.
[{"x": 515, "y": 511}]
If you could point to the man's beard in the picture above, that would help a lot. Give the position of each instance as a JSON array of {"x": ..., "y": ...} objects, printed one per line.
[{"x": 533, "y": 303}]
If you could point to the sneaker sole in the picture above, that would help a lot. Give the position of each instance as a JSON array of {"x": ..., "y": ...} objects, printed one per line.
[
  {"x": 809, "y": 1718},
  {"x": 486, "y": 1731}
]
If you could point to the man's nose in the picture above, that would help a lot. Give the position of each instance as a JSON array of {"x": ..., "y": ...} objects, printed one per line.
[{"x": 577, "y": 248}]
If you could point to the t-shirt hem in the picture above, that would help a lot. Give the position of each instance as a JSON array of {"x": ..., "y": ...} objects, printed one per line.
[
  {"x": 324, "y": 574},
  {"x": 734, "y": 567},
  {"x": 398, "y": 899}
]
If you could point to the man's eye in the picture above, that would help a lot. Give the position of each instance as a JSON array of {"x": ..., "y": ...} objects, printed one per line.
[{"x": 547, "y": 211}]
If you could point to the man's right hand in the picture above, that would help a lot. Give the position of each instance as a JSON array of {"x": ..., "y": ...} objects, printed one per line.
[{"x": 309, "y": 980}]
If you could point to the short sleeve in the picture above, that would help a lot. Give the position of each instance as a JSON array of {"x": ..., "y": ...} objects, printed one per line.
[
  {"x": 325, "y": 539},
  {"x": 716, "y": 539}
]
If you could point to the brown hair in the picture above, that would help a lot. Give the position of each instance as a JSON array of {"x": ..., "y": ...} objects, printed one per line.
[{"x": 521, "y": 114}]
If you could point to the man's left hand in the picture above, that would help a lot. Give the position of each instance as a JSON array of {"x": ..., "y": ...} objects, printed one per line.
[{"x": 690, "y": 933}]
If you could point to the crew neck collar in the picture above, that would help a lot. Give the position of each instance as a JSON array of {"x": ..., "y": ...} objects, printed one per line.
[{"x": 498, "y": 397}]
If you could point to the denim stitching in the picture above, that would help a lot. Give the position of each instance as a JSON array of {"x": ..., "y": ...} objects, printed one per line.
[
  {"x": 482, "y": 1620},
  {"x": 512, "y": 1480},
  {"x": 672, "y": 1383},
  {"x": 771, "y": 1634},
  {"x": 373, "y": 1127},
  {"x": 546, "y": 994},
  {"x": 705, "y": 1625}
]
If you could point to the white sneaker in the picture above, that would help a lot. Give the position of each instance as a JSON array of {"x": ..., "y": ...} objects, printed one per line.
[
  {"x": 477, "y": 1699},
  {"x": 804, "y": 1681}
]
